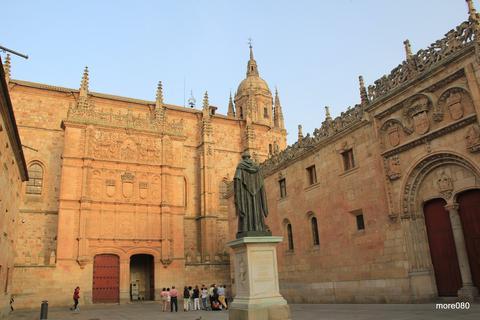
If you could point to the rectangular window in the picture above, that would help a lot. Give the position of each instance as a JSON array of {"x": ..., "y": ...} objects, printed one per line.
[
  {"x": 348, "y": 161},
  {"x": 283, "y": 188},
  {"x": 312, "y": 175},
  {"x": 360, "y": 222},
  {"x": 265, "y": 113}
]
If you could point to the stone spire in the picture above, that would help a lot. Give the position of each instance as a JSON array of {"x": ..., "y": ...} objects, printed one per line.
[
  {"x": 252, "y": 69},
  {"x": 363, "y": 91},
  {"x": 6, "y": 68},
  {"x": 277, "y": 112},
  {"x": 408, "y": 49},
  {"x": 83, "y": 92},
  {"x": 159, "y": 96},
  {"x": 327, "y": 113},
  {"x": 231, "y": 110},
  {"x": 83, "y": 102},
  {"x": 300, "y": 134},
  {"x": 207, "y": 126},
  {"x": 206, "y": 104}
]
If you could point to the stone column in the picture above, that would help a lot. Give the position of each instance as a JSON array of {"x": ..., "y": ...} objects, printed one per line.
[
  {"x": 468, "y": 290},
  {"x": 124, "y": 280}
]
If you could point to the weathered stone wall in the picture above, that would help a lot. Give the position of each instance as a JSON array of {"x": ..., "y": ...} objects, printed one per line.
[{"x": 10, "y": 197}]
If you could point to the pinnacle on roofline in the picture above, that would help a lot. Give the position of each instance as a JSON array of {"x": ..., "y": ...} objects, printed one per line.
[
  {"x": 206, "y": 104},
  {"x": 84, "y": 83},
  {"x": 408, "y": 49},
  {"x": 7, "y": 67},
  {"x": 363, "y": 91},
  {"x": 159, "y": 95}
]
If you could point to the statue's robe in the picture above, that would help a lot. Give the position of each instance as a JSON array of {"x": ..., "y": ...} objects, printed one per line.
[{"x": 250, "y": 197}]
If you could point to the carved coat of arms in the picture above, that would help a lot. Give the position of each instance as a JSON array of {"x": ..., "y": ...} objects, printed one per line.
[
  {"x": 143, "y": 189},
  {"x": 393, "y": 136},
  {"x": 454, "y": 105},
  {"x": 421, "y": 123},
  {"x": 110, "y": 187},
  {"x": 127, "y": 184}
]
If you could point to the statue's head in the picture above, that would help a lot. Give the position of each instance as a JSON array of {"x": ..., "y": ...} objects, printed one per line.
[{"x": 246, "y": 155}]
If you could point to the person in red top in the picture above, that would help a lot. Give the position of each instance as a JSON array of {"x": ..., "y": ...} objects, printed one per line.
[
  {"x": 76, "y": 296},
  {"x": 173, "y": 299}
]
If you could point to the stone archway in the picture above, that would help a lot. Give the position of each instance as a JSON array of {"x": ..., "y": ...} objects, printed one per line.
[{"x": 438, "y": 176}]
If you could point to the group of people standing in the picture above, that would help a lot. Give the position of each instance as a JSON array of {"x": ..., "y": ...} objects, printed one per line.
[{"x": 213, "y": 298}]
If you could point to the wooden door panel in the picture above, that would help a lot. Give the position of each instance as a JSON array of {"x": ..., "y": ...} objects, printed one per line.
[
  {"x": 106, "y": 278},
  {"x": 442, "y": 248},
  {"x": 469, "y": 210}
]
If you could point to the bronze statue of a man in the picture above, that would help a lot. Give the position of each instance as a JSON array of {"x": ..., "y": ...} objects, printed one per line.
[{"x": 250, "y": 199}]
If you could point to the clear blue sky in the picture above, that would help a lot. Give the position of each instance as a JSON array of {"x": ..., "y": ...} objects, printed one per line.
[{"x": 312, "y": 50}]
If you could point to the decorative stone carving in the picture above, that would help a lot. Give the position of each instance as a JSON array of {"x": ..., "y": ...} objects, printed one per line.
[
  {"x": 473, "y": 138},
  {"x": 114, "y": 145},
  {"x": 454, "y": 41},
  {"x": 329, "y": 128},
  {"x": 445, "y": 185},
  {"x": 393, "y": 167},
  {"x": 417, "y": 113},
  {"x": 110, "y": 187},
  {"x": 416, "y": 177},
  {"x": 127, "y": 184},
  {"x": 143, "y": 189}
]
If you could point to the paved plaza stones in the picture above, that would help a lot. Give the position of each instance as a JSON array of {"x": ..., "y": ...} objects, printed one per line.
[{"x": 151, "y": 311}]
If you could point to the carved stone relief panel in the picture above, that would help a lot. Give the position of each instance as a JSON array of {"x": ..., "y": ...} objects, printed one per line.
[
  {"x": 455, "y": 102},
  {"x": 393, "y": 167},
  {"x": 472, "y": 138},
  {"x": 417, "y": 115},
  {"x": 393, "y": 133},
  {"x": 120, "y": 145}
]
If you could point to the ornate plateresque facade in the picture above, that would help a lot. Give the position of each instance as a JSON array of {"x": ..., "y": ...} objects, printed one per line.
[
  {"x": 381, "y": 204},
  {"x": 128, "y": 191}
]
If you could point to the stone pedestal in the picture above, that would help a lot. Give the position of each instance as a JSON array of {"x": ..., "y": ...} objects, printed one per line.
[{"x": 256, "y": 280}]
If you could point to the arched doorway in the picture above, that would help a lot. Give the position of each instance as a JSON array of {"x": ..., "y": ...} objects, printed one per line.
[
  {"x": 469, "y": 211},
  {"x": 442, "y": 248},
  {"x": 142, "y": 277},
  {"x": 106, "y": 278}
]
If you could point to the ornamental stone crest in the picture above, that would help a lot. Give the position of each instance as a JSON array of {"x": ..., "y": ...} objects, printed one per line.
[
  {"x": 454, "y": 105},
  {"x": 127, "y": 184},
  {"x": 110, "y": 187},
  {"x": 473, "y": 138},
  {"x": 393, "y": 167},
  {"x": 417, "y": 113},
  {"x": 445, "y": 185}
]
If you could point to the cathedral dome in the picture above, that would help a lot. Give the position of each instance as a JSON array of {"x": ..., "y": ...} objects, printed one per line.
[{"x": 252, "y": 81}]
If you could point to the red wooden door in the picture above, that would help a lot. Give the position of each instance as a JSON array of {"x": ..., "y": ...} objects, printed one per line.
[
  {"x": 442, "y": 248},
  {"x": 469, "y": 210},
  {"x": 106, "y": 278}
]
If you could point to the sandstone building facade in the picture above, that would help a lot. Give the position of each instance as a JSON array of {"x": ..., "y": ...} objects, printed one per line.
[
  {"x": 125, "y": 191},
  {"x": 382, "y": 204},
  {"x": 13, "y": 172}
]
